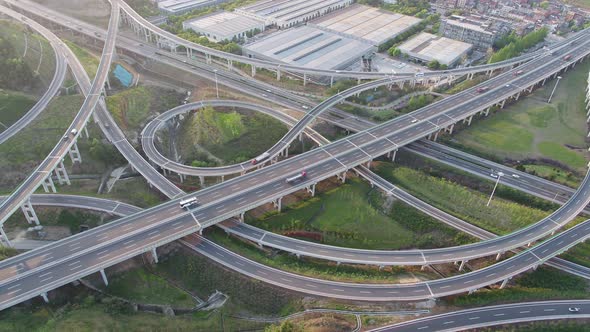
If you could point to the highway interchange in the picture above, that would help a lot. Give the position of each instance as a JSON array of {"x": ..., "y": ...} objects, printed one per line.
[{"x": 355, "y": 150}]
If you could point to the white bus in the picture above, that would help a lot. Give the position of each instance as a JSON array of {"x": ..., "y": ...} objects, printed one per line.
[
  {"x": 260, "y": 158},
  {"x": 188, "y": 202},
  {"x": 297, "y": 177}
]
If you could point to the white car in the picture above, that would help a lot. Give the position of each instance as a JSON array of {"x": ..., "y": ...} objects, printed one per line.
[
  {"x": 573, "y": 309},
  {"x": 516, "y": 176},
  {"x": 494, "y": 175},
  {"x": 414, "y": 121}
]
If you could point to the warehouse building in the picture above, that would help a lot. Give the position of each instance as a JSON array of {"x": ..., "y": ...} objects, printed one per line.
[
  {"x": 373, "y": 25},
  {"x": 481, "y": 34},
  {"x": 223, "y": 25},
  {"x": 427, "y": 47},
  {"x": 289, "y": 13},
  {"x": 310, "y": 47},
  {"x": 177, "y": 7}
]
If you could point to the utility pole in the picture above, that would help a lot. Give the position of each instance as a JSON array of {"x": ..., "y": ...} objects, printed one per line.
[
  {"x": 494, "y": 190},
  {"x": 555, "y": 87}
]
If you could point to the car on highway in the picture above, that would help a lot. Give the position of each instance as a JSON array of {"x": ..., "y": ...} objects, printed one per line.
[
  {"x": 493, "y": 175},
  {"x": 304, "y": 107},
  {"x": 482, "y": 89},
  {"x": 567, "y": 57},
  {"x": 414, "y": 120},
  {"x": 517, "y": 73},
  {"x": 516, "y": 176},
  {"x": 573, "y": 309},
  {"x": 296, "y": 178}
]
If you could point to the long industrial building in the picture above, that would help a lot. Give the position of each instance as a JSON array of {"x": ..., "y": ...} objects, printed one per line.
[
  {"x": 177, "y": 7},
  {"x": 289, "y": 13},
  {"x": 373, "y": 25},
  {"x": 310, "y": 47},
  {"x": 427, "y": 47},
  {"x": 220, "y": 26}
]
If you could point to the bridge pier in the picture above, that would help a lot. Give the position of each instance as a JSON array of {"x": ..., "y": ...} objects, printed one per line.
[
  {"x": 278, "y": 74},
  {"x": 44, "y": 296},
  {"x": 230, "y": 65},
  {"x": 48, "y": 185},
  {"x": 498, "y": 256},
  {"x": 504, "y": 283},
  {"x": 342, "y": 176},
  {"x": 201, "y": 180},
  {"x": 450, "y": 129},
  {"x": 304, "y": 79},
  {"x": 462, "y": 265},
  {"x": 423, "y": 267},
  {"x": 222, "y": 178},
  {"x": 472, "y": 291},
  {"x": 517, "y": 96},
  {"x": 86, "y": 131},
  {"x": 331, "y": 81},
  {"x": 392, "y": 154},
  {"x": 181, "y": 176},
  {"x": 29, "y": 212},
  {"x": 155, "y": 255},
  {"x": 208, "y": 59},
  {"x": 278, "y": 203},
  {"x": 62, "y": 174},
  {"x": 311, "y": 189},
  {"x": 435, "y": 136},
  {"x": 253, "y": 70},
  {"x": 104, "y": 277},
  {"x": 502, "y": 103},
  {"x": 75, "y": 153}
]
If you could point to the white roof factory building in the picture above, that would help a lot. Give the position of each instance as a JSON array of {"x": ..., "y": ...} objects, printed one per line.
[
  {"x": 289, "y": 13},
  {"x": 427, "y": 47},
  {"x": 177, "y": 7},
  {"x": 310, "y": 47},
  {"x": 223, "y": 25},
  {"x": 374, "y": 25}
]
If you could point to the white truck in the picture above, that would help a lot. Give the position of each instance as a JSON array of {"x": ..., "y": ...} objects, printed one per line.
[{"x": 297, "y": 177}]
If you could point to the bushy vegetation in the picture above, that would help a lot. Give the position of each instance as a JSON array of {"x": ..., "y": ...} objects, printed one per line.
[
  {"x": 515, "y": 45},
  {"x": 145, "y": 8},
  {"x": 212, "y": 137},
  {"x": 89, "y": 61},
  {"x": 7, "y": 252},
  {"x": 13, "y": 105},
  {"x": 15, "y": 72},
  {"x": 417, "y": 102}
]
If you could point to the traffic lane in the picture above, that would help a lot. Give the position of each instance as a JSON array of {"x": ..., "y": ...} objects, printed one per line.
[
  {"x": 369, "y": 292},
  {"x": 33, "y": 284},
  {"x": 493, "y": 315}
]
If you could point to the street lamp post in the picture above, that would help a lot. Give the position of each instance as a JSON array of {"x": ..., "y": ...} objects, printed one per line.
[
  {"x": 554, "y": 87},
  {"x": 216, "y": 85},
  {"x": 494, "y": 190}
]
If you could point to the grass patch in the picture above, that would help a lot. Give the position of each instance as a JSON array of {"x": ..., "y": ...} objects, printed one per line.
[
  {"x": 315, "y": 268},
  {"x": 211, "y": 137},
  {"x": 352, "y": 215},
  {"x": 13, "y": 105},
  {"x": 130, "y": 107},
  {"x": 554, "y": 174},
  {"x": 70, "y": 218},
  {"x": 88, "y": 60},
  {"x": 141, "y": 286},
  {"x": 531, "y": 128},
  {"x": 23, "y": 151},
  {"x": 7, "y": 252},
  {"x": 502, "y": 217},
  {"x": 543, "y": 284}
]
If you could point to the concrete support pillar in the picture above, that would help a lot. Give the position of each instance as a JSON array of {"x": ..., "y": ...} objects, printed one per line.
[
  {"x": 358, "y": 81},
  {"x": 208, "y": 59},
  {"x": 504, "y": 282},
  {"x": 530, "y": 88},
  {"x": 369, "y": 164},
  {"x": 48, "y": 185},
  {"x": 472, "y": 291},
  {"x": 62, "y": 174},
  {"x": 304, "y": 79},
  {"x": 331, "y": 81},
  {"x": 498, "y": 256},
  {"x": 104, "y": 277},
  {"x": 253, "y": 70},
  {"x": 469, "y": 120},
  {"x": 342, "y": 176},
  {"x": 462, "y": 265},
  {"x": 435, "y": 136},
  {"x": 181, "y": 177},
  {"x": 202, "y": 180},
  {"x": 487, "y": 111},
  {"x": 544, "y": 80},
  {"x": 517, "y": 96},
  {"x": 222, "y": 178},
  {"x": 44, "y": 296},
  {"x": 155, "y": 255},
  {"x": 29, "y": 212},
  {"x": 502, "y": 103},
  {"x": 230, "y": 65},
  {"x": 311, "y": 189},
  {"x": 75, "y": 153},
  {"x": 86, "y": 132},
  {"x": 450, "y": 129},
  {"x": 4, "y": 238},
  {"x": 278, "y": 74},
  {"x": 423, "y": 267},
  {"x": 278, "y": 203},
  {"x": 286, "y": 151},
  {"x": 393, "y": 154},
  {"x": 108, "y": 82},
  {"x": 241, "y": 216}
]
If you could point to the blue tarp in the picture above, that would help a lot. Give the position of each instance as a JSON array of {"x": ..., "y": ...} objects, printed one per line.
[{"x": 125, "y": 77}]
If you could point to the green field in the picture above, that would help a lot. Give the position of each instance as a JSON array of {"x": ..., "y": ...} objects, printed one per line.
[
  {"x": 22, "y": 152},
  {"x": 87, "y": 59},
  {"x": 13, "y": 105},
  {"x": 501, "y": 217},
  {"x": 352, "y": 215},
  {"x": 139, "y": 285},
  {"x": 533, "y": 129},
  {"x": 213, "y": 137},
  {"x": 554, "y": 174}
]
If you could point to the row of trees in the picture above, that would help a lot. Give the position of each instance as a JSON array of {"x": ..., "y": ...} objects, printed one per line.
[{"x": 515, "y": 45}]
